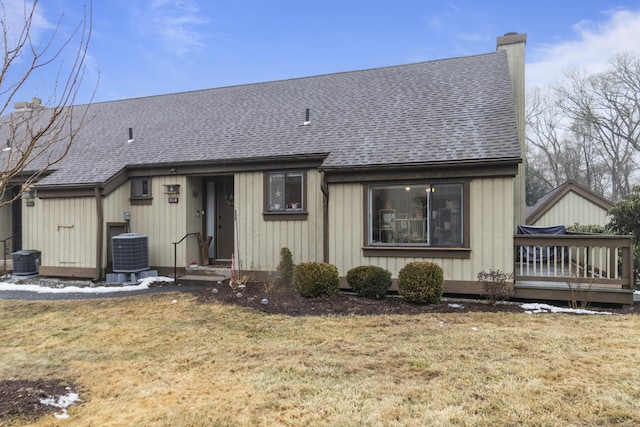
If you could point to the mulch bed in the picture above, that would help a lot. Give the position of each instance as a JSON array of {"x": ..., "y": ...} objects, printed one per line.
[
  {"x": 20, "y": 399},
  {"x": 283, "y": 300}
]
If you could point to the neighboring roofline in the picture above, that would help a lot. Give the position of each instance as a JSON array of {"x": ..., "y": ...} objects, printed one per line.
[
  {"x": 446, "y": 163},
  {"x": 217, "y": 167},
  {"x": 243, "y": 163},
  {"x": 442, "y": 170},
  {"x": 558, "y": 193},
  {"x": 463, "y": 169}
]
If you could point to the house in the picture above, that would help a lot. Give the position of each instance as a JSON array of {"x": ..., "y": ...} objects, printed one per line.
[
  {"x": 569, "y": 204},
  {"x": 374, "y": 167}
]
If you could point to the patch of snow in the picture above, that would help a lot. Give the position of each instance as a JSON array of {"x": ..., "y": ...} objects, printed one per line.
[
  {"x": 62, "y": 402},
  {"x": 456, "y": 305},
  {"x": 142, "y": 284},
  {"x": 535, "y": 308}
]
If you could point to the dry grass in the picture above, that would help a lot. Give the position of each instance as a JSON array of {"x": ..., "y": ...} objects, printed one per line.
[{"x": 149, "y": 361}]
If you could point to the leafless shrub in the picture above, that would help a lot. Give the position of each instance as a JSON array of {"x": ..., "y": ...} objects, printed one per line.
[{"x": 496, "y": 285}]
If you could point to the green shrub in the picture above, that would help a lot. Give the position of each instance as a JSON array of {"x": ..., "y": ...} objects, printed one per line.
[
  {"x": 588, "y": 228},
  {"x": 369, "y": 281},
  {"x": 312, "y": 279},
  {"x": 286, "y": 266},
  {"x": 421, "y": 282}
]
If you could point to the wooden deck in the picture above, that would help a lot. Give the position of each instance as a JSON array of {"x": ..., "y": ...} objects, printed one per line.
[{"x": 580, "y": 268}]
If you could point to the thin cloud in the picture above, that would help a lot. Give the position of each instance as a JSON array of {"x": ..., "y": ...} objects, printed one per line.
[
  {"x": 594, "y": 45},
  {"x": 14, "y": 14},
  {"x": 176, "y": 22}
]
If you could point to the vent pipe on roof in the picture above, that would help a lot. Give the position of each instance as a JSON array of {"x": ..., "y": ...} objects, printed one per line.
[
  {"x": 307, "y": 117},
  {"x": 130, "y": 135}
]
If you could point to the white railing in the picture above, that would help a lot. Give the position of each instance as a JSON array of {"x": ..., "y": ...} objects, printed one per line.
[{"x": 601, "y": 261}]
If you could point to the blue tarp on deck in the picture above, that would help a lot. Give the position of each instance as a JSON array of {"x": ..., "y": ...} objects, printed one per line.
[{"x": 540, "y": 253}]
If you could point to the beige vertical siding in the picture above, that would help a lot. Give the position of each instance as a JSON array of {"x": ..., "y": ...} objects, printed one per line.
[
  {"x": 6, "y": 222},
  {"x": 491, "y": 219},
  {"x": 492, "y": 227},
  {"x": 162, "y": 221},
  {"x": 573, "y": 208},
  {"x": 258, "y": 242},
  {"x": 63, "y": 230}
]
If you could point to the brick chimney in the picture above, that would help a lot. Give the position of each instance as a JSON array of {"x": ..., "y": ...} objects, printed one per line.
[{"x": 513, "y": 44}]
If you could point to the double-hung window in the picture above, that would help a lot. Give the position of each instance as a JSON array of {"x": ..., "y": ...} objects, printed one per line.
[
  {"x": 416, "y": 214},
  {"x": 285, "y": 191},
  {"x": 141, "y": 190}
]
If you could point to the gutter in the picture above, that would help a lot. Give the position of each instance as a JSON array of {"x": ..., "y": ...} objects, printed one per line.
[
  {"x": 324, "y": 188},
  {"x": 99, "y": 233},
  {"x": 424, "y": 165}
]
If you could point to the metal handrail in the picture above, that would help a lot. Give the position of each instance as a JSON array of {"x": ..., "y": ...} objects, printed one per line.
[{"x": 175, "y": 255}]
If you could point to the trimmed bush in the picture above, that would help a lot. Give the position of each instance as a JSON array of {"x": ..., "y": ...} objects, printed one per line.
[
  {"x": 369, "y": 281},
  {"x": 286, "y": 266},
  {"x": 313, "y": 279},
  {"x": 421, "y": 282}
]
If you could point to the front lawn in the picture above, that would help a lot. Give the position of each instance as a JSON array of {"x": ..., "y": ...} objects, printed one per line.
[{"x": 169, "y": 360}]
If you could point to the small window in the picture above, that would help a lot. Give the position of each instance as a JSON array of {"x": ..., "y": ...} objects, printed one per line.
[
  {"x": 141, "y": 189},
  {"x": 285, "y": 192}
]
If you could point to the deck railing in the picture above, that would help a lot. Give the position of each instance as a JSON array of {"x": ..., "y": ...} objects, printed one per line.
[{"x": 594, "y": 260}]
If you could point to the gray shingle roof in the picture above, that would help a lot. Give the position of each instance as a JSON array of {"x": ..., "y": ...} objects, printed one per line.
[{"x": 450, "y": 110}]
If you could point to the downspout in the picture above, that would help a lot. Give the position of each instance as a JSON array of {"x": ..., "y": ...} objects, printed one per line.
[
  {"x": 99, "y": 234},
  {"x": 325, "y": 217}
]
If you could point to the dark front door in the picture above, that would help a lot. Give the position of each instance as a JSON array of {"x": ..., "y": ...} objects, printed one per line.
[{"x": 220, "y": 217}]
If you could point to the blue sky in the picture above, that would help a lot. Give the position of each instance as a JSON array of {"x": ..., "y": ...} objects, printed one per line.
[{"x": 150, "y": 47}]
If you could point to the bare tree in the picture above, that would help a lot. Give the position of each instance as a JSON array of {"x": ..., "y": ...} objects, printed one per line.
[
  {"x": 556, "y": 151},
  {"x": 544, "y": 147},
  {"x": 607, "y": 108},
  {"x": 587, "y": 129},
  {"x": 37, "y": 135}
]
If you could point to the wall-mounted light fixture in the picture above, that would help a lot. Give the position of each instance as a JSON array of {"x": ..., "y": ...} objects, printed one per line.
[{"x": 172, "y": 188}]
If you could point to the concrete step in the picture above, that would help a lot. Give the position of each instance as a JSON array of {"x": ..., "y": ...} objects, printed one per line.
[
  {"x": 205, "y": 275},
  {"x": 208, "y": 271},
  {"x": 200, "y": 279}
]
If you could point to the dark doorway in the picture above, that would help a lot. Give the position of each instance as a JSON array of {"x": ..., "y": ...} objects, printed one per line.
[
  {"x": 219, "y": 210},
  {"x": 113, "y": 229}
]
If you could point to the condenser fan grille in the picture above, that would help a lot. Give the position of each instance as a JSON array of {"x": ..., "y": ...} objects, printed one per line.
[{"x": 130, "y": 253}]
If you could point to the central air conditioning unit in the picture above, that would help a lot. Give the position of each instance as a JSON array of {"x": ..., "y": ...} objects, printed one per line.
[
  {"x": 130, "y": 253},
  {"x": 26, "y": 262}
]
